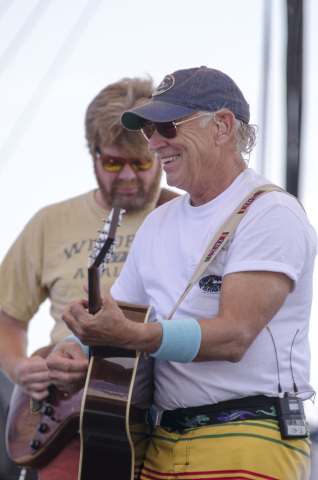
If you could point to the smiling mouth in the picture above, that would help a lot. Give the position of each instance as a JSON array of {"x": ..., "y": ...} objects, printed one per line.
[{"x": 169, "y": 159}]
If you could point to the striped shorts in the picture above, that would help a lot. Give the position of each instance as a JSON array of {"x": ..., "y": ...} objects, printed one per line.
[{"x": 243, "y": 450}]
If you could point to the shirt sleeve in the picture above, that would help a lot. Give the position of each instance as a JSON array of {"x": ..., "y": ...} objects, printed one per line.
[
  {"x": 21, "y": 292},
  {"x": 273, "y": 237}
]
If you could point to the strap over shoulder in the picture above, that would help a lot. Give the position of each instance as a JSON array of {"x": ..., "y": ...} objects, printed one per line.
[{"x": 223, "y": 235}]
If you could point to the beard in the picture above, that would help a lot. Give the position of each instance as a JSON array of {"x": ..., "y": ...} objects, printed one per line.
[{"x": 132, "y": 203}]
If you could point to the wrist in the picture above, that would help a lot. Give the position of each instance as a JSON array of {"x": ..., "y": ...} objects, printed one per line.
[{"x": 181, "y": 340}]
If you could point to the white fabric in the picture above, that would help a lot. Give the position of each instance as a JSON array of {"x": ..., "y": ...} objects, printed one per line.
[{"x": 275, "y": 236}]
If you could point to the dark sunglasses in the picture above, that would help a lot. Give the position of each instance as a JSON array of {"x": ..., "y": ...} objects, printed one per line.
[
  {"x": 165, "y": 129},
  {"x": 115, "y": 164}
]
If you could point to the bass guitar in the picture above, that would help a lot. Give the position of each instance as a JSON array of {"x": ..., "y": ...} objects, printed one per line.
[{"x": 37, "y": 431}]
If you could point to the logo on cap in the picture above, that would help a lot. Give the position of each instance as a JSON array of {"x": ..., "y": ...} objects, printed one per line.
[{"x": 165, "y": 85}]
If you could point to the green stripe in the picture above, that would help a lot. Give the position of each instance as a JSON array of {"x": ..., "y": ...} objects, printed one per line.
[
  {"x": 261, "y": 437},
  {"x": 274, "y": 425},
  {"x": 271, "y": 425}
]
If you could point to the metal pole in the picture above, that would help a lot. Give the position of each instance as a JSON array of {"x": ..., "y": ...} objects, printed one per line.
[{"x": 294, "y": 73}]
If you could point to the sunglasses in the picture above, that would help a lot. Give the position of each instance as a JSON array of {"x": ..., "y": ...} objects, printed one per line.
[
  {"x": 115, "y": 164},
  {"x": 165, "y": 129}
]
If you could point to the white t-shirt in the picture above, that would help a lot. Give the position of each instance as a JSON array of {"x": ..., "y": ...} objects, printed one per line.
[{"x": 275, "y": 235}]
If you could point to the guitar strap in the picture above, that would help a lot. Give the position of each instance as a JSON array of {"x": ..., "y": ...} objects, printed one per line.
[{"x": 223, "y": 235}]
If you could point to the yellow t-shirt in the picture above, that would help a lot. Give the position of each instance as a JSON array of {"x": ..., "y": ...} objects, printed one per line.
[{"x": 49, "y": 258}]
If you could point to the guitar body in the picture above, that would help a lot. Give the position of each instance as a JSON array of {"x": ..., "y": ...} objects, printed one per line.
[
  {"x": 114, "y": 422},
  {"x": 37, "y": 431}
]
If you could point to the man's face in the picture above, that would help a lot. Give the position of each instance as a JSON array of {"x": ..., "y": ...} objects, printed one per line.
[
  {"x": 189, "y": 158},
  {"x": 130, "y": 189}
]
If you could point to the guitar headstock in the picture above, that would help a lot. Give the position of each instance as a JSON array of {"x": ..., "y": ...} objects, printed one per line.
[{"x": 104, "y": 245}]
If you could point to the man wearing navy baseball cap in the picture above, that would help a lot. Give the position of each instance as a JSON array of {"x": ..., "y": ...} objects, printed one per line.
[
  {"x": 228, "y": 268},
  {"x": 186, "y": 92}
]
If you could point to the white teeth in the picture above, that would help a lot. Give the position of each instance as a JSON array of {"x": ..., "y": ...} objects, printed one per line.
[{"x": 169, "y": 159}]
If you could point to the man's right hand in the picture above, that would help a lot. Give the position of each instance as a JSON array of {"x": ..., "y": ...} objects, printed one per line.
[
  {"x": 33, "y": 377},
  {"x": 67, "y": 366}
]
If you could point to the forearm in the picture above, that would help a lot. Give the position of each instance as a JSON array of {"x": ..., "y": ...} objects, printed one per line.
[
  {"x": 244, "y": 311},
  {"x": 13, "y": 344}
]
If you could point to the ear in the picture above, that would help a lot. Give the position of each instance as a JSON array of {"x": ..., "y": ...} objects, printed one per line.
[
  {"x": 225, "y": 124},
  {"x": 222, "y": 128}
]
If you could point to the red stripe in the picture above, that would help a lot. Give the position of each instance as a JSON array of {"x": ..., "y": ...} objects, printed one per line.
[
  {"x": 203, "y": 474},
  {"x": 208, "y": 478}
]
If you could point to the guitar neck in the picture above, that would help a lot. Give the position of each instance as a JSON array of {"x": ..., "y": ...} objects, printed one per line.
[
  {"x": 94, "y": 290},
  {"x": 100, "y": 254}
]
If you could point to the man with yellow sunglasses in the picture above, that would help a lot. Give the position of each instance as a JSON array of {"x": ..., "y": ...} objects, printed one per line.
[{"x": 49, "y": 258}]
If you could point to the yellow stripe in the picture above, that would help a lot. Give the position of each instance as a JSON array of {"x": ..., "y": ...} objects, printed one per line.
[{"x": 252, "y": 450}]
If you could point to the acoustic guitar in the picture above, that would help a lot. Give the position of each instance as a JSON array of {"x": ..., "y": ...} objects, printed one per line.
[{"x": 115, "y": 418}]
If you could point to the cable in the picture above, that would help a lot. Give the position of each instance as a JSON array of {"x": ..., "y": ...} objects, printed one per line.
[
  {"x": 279, "y": 385},
  {"x": 290, "y": 362}
]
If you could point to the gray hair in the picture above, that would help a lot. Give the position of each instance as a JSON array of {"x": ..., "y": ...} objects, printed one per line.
[{"x": 245, "y": 134}]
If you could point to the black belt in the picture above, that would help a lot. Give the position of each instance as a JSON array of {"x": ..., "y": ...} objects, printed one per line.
[{"x": 248, "y": 408}]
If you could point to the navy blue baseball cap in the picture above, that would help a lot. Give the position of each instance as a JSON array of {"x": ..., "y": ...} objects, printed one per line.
[{"x": 185, "y": 92}]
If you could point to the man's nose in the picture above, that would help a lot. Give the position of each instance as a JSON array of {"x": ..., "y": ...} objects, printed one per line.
[
  {"x": 127, "y": 173},
  {"x": 156, "y": 141}
]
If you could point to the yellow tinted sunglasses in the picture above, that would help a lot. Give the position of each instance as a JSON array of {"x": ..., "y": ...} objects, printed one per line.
[{"x": 115, "y": 164}]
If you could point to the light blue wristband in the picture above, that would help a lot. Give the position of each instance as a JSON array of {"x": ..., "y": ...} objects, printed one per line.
[
  {"x": 181, "y": 340},
  {"x": 85, "y": 348}
]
